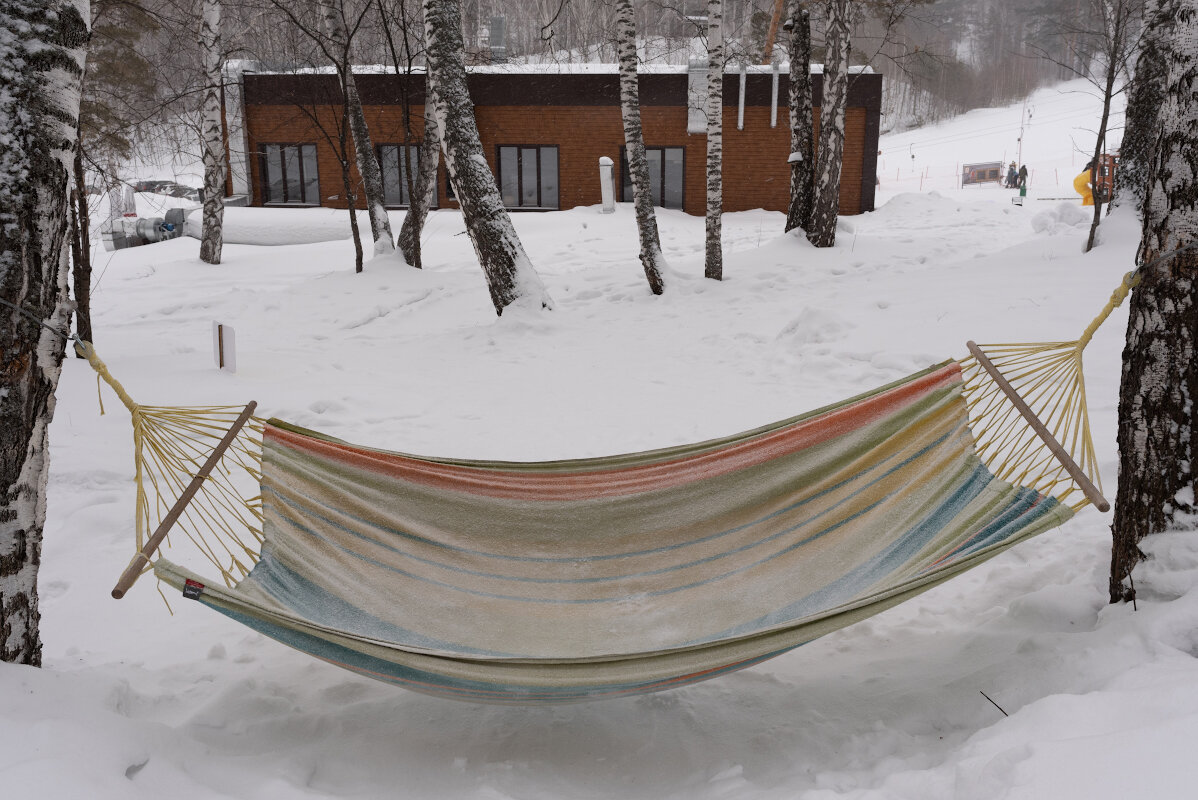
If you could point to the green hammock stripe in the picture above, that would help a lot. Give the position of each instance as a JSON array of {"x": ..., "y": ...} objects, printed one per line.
[{"x": 571, "y": 580}]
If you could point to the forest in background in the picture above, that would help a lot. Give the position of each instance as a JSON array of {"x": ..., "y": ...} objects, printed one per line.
[{"x": 939, "y": 57}]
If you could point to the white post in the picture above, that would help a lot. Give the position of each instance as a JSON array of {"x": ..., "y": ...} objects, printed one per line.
[
  {"x": 740, "y": 108},
  {"x": 607, "y": 184},
  {"x": 224, "y": 347}
]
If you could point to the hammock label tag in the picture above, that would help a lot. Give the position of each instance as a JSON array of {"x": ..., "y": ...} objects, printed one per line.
[{"x": 192, "y": 589}]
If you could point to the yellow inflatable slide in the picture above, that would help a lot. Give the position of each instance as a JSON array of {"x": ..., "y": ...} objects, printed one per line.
[{"x": 1081, "y": 184}]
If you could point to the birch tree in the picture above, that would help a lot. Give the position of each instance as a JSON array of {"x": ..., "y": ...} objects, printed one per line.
[
  {"x": 114, "y": 190},
  {"x": 338, "y": 33},
  {"x": 714, "y": 262},
  {"x": 81, "y": 252},
  {"x": 1157, "y": 434},
  {"x": 634, "y": 147},
  {"x": 822, "y": 231},
  {"x": 42, "y": 49},
  {"x": 422, "y": 190},
  {"x": 802, "y": 133},
  {"x": 1144, "y": 97},
  {"x": 336, "y": 132},
  {"x": 510, "y": 275},
  {"x": 212, "y": 134},
  {"x": 333, "y": 36}
]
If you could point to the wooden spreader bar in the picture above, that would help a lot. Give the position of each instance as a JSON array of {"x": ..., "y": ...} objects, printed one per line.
[
  {"x": 1083, "y": 481},
  {"x": 134, "y": 570}
]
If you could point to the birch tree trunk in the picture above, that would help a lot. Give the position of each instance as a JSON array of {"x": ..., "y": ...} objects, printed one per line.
[
  {"x": 211, "y": 239},
  {"x": 634, "y": 146},
  {"x": 1145, "y": 95},
  {"x": 81, "y": 270},
  {"x": 509, "y": 274},
  {"x": 422, "y": 189},
  {"x": 367, "y": 160},
  {"x": 1157, "y": 435},
  {"x": 114, "y": 190},
  {"x": 351, "y": 199},
  {"x": 714, "y": 263},
  {"x": 822, "y": 231},
  {"x": 425, "y": 189},
  {"x": 42, "y": 48},
  {"x": 802, "y": 133}
]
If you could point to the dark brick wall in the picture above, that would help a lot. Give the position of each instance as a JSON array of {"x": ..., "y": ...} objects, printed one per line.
[{"x": 291, "y": 110}]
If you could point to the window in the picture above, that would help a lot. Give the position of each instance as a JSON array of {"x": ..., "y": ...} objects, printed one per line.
[
  {"x": 665, "y": 175},
  {"x": 528, "y": 176},
  {"x": 289, "y": 174},
  {"x": 398, "y": 163}
]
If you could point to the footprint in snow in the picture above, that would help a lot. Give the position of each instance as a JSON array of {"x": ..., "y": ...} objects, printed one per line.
[
  {"x": 54, "y": 589},
  {"x": 323, "y": 406}
]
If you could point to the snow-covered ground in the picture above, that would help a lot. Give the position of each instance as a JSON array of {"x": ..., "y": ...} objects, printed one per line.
[{"x": 134, "y": 703}]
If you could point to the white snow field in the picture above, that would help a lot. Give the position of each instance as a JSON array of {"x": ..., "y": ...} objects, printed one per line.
[{"x": 136, "y": 703}]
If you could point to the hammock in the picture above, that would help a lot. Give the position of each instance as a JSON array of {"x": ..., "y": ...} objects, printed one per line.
[{"x": 574, "y": 580}]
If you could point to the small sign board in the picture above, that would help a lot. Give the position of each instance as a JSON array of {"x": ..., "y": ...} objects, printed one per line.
[
  {"x": 224, "y": 346},
  {"x": 988, "y": 172}
]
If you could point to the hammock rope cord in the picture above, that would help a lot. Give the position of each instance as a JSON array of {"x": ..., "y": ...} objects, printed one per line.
[
  {"x": 224, "y": 520},
  {"x": 1025, "y": 489},
  {"x": 1049, "y": 376}
]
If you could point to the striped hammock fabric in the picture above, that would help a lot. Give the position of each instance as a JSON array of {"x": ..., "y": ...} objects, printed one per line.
[{"x": 573, "y": 580}]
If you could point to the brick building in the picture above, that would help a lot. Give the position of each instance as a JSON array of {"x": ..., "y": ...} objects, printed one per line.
[{"x": 543, "y": 131}]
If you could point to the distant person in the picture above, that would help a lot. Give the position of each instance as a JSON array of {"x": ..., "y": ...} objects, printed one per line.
[
  {"x": 1022, "y": 178},
  {"x": 1081, "y": 185},
  {"x": 1011, "y": 176}
]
